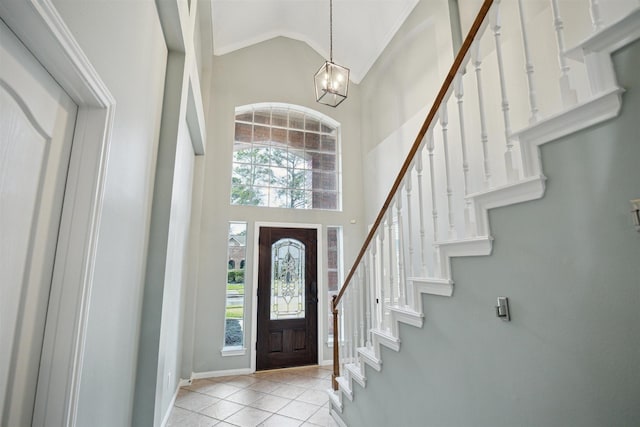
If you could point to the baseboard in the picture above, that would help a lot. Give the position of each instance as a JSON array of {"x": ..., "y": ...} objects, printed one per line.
[
  {"x": 167, "y": 414},
  {"x": 223, "y": 373},
  {"x": 336, "y": 418}
]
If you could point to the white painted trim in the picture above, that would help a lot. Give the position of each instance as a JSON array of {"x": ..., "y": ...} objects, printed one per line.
[
  {"x": 600, "y": 108},
  {"x": 233, "y": 352},
  {"x": 184, "y": 383},
  {"x": 337, "y": 417},
  {"x": 222, "y": 373},
  {"x": 432, "y": 286},
  {"x": 369, "y": 356},
  {"x": 356, "y": 374},
  {"x": 40, "y": 27},
  {"x": 328, "y": 362},
  {"x": 167, "y": 414},
  {"x": 525, "y": 190},
  {"x": 288, "y": 106},
  {"x": 616, "y": 35},
  {"x": 335, "y": 399},
  {"x": 322, "y": 291},
  {"x": 345, "y": 387},
  {"x": 478, "y": 246}
]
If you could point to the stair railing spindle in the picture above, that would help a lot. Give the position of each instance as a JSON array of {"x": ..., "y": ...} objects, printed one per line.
[
  {"x": 533, "y": 104},
  {"x": 423, "y": 244},
  {"x": 496, "y": 26},
  {"x": 369, "y": 298},
  {"x": 392, "y": 251},
  {"x": 444, "y": 123},
  {"x": 408, "y": 188},
  {"x": 469, "y": 224},
  {"x": 567, "y": 93},
  {"x": 484, "y": 137},
  {"x": 402, "y": 291}
]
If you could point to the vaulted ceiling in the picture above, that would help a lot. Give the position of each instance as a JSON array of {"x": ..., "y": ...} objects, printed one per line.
[{"x": 361, "y": 28}]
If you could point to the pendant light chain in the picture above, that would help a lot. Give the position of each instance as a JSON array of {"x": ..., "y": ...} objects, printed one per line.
[{"x": 331, "y": 30}]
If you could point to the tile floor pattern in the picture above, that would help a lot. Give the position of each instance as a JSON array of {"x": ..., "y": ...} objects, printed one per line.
[{"x": 295, "y": 397}]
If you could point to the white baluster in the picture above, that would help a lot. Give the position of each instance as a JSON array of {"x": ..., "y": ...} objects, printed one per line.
[
  {"x": 392, "y": 252},
  {"x": 375, "y": 300},
  {"x": 370, "y": 298},
  {"x": 568, "y": 94},
  {"x": 444, "y": 122},
  {"x": 354, "y": 318},
  {"x": 477, "y": 62},
  {"x": 434, "y": 206},
  {"x": 497, "y": 32},
  {"x": 382, "y": 303},
  {"x": 528, "y": 66},
  {"x": 408, "y": 188},
  {"x": 469, "y": 224},
  {"x": 362, "y": 303},
  {"x": 596, "y": 19},
  {"x": 423, "y": 250},
  {"x": 402, "y": 299}
]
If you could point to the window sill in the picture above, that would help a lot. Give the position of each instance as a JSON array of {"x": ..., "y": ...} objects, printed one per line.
[{"x": 233, "y": 351}]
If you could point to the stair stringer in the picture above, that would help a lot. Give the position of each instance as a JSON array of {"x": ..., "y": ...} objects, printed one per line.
[{"x": 596, "y": 52}]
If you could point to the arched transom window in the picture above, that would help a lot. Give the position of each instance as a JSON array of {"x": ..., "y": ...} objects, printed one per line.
[{"x": 285, "y": 156}]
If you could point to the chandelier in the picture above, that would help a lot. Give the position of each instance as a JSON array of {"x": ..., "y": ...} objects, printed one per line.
[{"x": 332, "y": 80}]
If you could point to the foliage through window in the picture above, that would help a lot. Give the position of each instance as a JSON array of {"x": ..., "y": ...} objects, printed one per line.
[
  {"x": 285, "y": 156},
  {"x": 234, "y": 304}
]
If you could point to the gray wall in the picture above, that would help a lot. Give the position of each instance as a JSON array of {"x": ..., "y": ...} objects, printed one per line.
[
  {"x": 278, "y": 70},
  {"x": 569, "y": 264},
  {"x": 124, "y": 42}
]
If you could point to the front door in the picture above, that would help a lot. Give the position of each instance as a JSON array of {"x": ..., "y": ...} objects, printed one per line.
[
  {"x": 287, "y": 298},
  {"x": 37, "y": 120}
]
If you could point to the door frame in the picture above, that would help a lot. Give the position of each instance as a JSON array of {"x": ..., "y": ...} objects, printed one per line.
[
  {"x": 40, "y": 27},
  {"x": 321, "y": 285}
]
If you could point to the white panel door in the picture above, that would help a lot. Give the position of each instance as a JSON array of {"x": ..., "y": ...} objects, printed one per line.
[{"x": 36, "y": 128}]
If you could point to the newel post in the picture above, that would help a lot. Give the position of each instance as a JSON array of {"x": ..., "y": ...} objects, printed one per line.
[{"x": 336, "y": 344}]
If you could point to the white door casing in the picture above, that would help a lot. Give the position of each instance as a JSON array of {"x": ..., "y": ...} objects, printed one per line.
[
  {"x": 36, "y": 128},
  {"x": 41, "y": 29}
]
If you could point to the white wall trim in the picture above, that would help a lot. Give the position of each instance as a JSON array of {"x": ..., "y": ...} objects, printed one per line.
[
  {"x": 222, "y": 373},
  {"x": 41, "y": 28},
  {"x": 322, "y": 294},
  {"x": 167, "y": 414}
]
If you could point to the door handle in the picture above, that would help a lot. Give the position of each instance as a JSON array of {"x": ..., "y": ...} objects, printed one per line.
[{"x": 313, "y": 298}]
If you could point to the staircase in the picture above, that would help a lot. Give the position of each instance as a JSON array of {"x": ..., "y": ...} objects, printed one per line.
[{"x": 514, "y": 86}]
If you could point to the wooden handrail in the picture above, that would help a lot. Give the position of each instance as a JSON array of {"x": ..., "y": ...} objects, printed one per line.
[{"x": 455, "y": 67}]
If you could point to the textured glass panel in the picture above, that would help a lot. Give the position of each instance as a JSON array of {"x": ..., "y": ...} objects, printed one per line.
[
  {"x": 296, "y": 120},
  {"x": 292, "y": 153},
  {"x": 262, "y": 117},
  {"x": 312, "y": 124},
  {"x": 279, "y": 118},
  {"x": 261, "y": 133},
  {"x": 243, "y": 132},
  {"x": 287, "y": 279}
]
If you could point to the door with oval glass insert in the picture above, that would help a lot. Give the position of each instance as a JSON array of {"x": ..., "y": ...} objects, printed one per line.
[{"x": 287, "y": 298}]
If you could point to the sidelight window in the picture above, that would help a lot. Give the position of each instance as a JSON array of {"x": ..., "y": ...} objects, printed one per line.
[{"x": 235, "y": 284}]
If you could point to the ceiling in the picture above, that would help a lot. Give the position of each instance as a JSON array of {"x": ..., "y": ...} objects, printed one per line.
[{"x": 361, "y": 28}]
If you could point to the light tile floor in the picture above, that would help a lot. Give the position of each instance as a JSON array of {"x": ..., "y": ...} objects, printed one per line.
[{"x": 295, "y": 397}]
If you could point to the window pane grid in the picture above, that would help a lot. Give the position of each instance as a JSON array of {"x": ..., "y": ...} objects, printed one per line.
[{"x": 297, "y": 155}]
